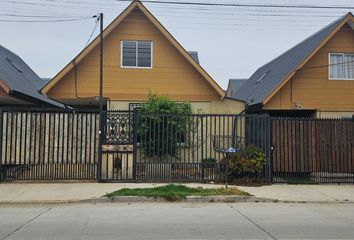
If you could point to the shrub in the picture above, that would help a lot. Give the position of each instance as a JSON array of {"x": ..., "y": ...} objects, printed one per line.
[
  {"x": 162, "y": 125},
  {"x": 249, "y": 161},
  {"x": 209, "y": 162}
]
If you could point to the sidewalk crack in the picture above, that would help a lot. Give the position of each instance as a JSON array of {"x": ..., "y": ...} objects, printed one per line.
[
  {"x": 29, "y": 221},
  {"x": 21, "y": 193},
  {"x": 253, "y": 222}
]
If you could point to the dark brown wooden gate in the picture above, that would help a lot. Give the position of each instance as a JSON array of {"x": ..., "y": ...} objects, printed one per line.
[{"x": 313, "y": 150}]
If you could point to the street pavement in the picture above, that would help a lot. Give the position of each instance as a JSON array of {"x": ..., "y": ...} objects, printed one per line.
[{"x": 177, "y": 221}]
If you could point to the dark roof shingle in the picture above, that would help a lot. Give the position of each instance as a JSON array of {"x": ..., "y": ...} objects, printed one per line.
[
  {"x": 19, "y": 77},
  {"x": 269, "y": 76}
]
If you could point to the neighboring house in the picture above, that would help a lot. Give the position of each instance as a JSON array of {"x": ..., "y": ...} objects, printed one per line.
[
  {"x": 140, "y": 57},
  {"x": 313, "y": 79},
  {"x": 233, "y": 86},
  {"x": 19, "y": 85}
]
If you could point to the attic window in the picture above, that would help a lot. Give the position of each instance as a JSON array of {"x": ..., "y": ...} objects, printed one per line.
[
  {"x": 341, "y": 66},
  {"x": 262, "y": 77},
  {"x": 136, "y": 54},
  {"x": 14, "y": 65}
]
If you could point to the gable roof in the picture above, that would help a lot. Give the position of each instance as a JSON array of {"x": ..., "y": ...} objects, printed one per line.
[
  {"x": 20, "y": 79},
  {"x": 234, "y": 85},
  {"x": 268, "y": 79},
  {"x": 135, "y": 4}
]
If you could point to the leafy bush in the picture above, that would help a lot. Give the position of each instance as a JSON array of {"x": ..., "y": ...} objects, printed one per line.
[
  {"x": 209, "y": 162},
  {"x": 249, "y": 161},
  {"x": 162, "y": 126},
  {"x": 163, "y": 105}
]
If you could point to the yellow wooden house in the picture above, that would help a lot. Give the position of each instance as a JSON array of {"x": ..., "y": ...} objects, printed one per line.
[
  {"x": 140, "y": 57},
  {"x": 312, "y": 79}
]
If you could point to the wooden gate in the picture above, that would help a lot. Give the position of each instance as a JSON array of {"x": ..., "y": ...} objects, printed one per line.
[{"x": 313, "y": 150}]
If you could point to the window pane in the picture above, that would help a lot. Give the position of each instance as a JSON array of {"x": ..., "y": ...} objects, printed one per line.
[
  {"x": 144, "y": 54},
  {"x": 129, "y": 54},
  {"x": 349, "y": 66},
  {"x": 336, "y": 66}
]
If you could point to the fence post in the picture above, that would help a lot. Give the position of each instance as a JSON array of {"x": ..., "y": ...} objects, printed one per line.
[
  {"x": 1, "y": 137},
  {"x": 202, "y": 142},
  {"x": 100, "y": 141},
  {"x": 135, "y": 140},
  {"x": 270, "y": 147}
]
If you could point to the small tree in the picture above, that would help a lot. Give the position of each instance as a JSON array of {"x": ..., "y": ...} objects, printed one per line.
[{"x": 162, "y": 124}]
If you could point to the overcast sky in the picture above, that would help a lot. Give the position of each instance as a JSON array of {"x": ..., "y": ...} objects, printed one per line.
[{"x": 232, "y": 41}]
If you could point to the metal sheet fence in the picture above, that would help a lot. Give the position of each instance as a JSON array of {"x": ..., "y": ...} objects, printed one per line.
[
  {"x": 313, "y": 150},
  {"x": 41, "y": 145},
  {"x": 191, "y": 147}
]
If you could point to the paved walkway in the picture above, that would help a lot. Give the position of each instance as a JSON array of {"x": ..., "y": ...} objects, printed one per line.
[
  {"x": 305, "y": 193},
  {"x": 64, "y": 192}
]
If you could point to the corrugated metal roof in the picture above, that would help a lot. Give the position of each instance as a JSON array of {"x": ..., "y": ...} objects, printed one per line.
[
  {"x": 19, "y": 77},
  {"x": 269, "y": 76}
]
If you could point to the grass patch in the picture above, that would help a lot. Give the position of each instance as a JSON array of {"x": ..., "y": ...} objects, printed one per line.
[{"x": 175, "y": 192}]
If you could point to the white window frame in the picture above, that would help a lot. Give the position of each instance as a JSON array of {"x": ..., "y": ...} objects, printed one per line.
[
  {"x": 329, "y": 66},
  {"x": 136, "y": 42}
]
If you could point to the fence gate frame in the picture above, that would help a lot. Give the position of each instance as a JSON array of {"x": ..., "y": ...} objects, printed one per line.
[{"x": 116, "y": 155}]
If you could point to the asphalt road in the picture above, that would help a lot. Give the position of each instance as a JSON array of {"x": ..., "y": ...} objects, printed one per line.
[{"x": 178, "y": 221}]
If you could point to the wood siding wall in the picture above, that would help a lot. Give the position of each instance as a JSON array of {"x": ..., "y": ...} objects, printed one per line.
[
  {"x": 171, "y": 74},
  {"x": 311, "y": 87}
]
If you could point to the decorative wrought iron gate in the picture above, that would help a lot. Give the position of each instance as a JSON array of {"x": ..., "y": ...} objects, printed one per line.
[{"x": 117, "y": 146}]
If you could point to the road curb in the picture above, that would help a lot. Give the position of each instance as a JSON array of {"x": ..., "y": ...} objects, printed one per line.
[
  {"x": 193, "y": 199},
  {"x": 188, "y": 199}
]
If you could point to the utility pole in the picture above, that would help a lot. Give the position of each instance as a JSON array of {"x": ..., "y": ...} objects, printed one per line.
[
  {"x": 101, "y": 128},
  {"x": 101, "y": 62}
]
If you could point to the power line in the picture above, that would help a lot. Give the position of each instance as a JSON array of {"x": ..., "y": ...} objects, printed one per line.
[
  {"x": 93, "y": 31},
  {"x": 38, "y": 16},
  {"x": 243, "y": 5},
  {"x": 325, "y": 65},
  {"x": 45, "y": 21}
]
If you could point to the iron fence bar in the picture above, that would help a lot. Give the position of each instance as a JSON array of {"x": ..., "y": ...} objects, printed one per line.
[
  {"x": 135, "y": 124},
  {"x": 100, "y": 141}
]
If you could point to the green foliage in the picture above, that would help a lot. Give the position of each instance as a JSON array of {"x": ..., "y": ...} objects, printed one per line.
[
  {"x": 174, "y": 192},
  {"x": 162, "y": 126},
  {"x": 209, "y": 162},
  {"x": 249, "y": 161},
  {"x": 163, "y": 105}
]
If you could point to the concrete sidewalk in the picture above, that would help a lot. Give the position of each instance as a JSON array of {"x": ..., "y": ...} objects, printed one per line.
[
  {"x": 67, "y": 192},
  {"x": 304, "y": 193},
  {"x": 72, "y": 192}
]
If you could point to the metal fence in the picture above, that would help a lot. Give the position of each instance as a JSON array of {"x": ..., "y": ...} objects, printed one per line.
[
  {"x": 313, "y": 150},
  {"x": 48, "y": 145},
  {"x": 191, "y": 147}
]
